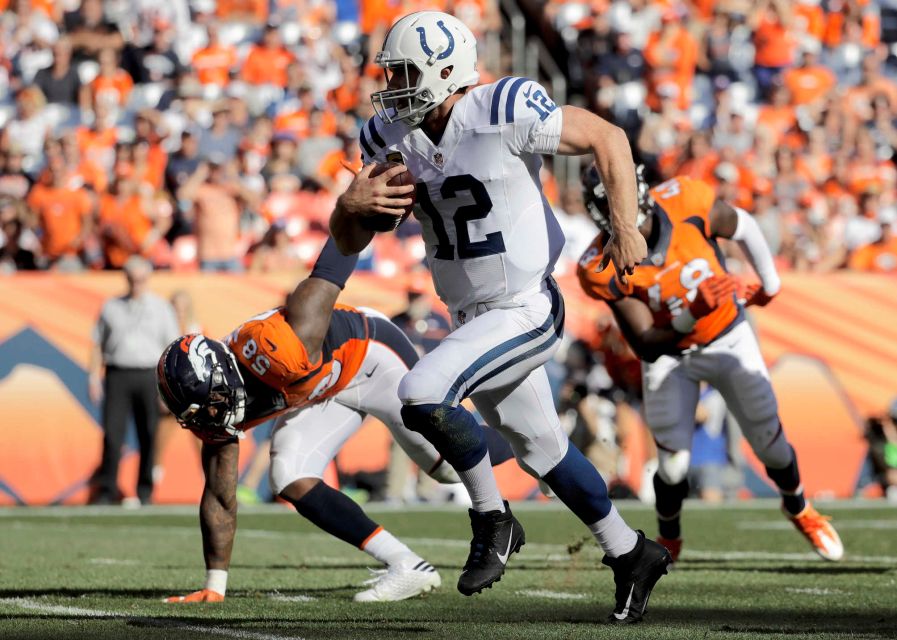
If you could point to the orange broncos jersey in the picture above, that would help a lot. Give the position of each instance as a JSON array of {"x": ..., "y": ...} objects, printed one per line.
[
  {"x": 277, "y": 371},
  {"x": 682, "y": 257}
]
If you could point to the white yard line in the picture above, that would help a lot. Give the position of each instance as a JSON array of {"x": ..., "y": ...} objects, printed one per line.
[
  {"x": 112, "y": 561},
  {"x": 549, "y": 551},
  {"x": 465, "y": 544},
  {"x": 841, "y": 523},
  {"x": 816, "y": 591},
  {"x": 632, "y": 506},
  {"x": 781, "y": 557},
  {"x": 299, "y": 598},
  {"x": 266, "y": 534},
  {"x": 53, "y": 610},
  {"x": 551, "y": 595}
]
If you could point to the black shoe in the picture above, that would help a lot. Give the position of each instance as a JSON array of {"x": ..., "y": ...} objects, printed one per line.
[
  {"x": 496, "y": 536},
  {"x": 635, "y": 574}
]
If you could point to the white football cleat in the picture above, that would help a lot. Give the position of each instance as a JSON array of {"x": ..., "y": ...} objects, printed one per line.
[
  {"x": 376, "y": 576},
  {"x": 401, "y": 583}
]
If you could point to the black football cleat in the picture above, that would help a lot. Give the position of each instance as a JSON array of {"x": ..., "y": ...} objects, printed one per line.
[
  {"x": 496, "y": 536},
  {"x": 635, "y": 574}
]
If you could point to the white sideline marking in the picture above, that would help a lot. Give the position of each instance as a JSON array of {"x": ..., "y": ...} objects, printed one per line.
[
  {"x": 783, "y": 557},
  {"x": 300, "y": 598},
  {"x": 775, "y": 525},
  {"x": 335, "y": 560},
  {"x": 552, "y": 551},
  {"x": 163, "y": 623},
  {"x": 265, "y": 534},
  {"x": 816, "y": 591},
  {"x": 464, "y": 544},
  {"x": 112, "y": 561},
  {"x": 33, "y": 605},
  {"x": 558, "y": 557},
  {"x": 551, "y": 595}
]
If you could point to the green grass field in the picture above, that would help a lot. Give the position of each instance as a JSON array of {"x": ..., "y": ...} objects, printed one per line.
[{"x": 102, "y": 573}]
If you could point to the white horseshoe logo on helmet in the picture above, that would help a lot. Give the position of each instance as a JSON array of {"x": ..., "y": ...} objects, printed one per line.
[{"x": 423, "y": 41}]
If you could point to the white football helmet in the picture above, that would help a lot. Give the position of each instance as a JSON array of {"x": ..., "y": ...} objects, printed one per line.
[{"x": 428, "y": 41}]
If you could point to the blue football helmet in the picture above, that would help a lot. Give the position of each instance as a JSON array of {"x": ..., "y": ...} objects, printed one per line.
[
  {"x": 594, "y": 196},
  {"x": 200, "y": 382}
]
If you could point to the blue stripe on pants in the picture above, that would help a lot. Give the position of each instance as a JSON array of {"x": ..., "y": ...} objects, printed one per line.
[{"x": 554, "y": 320}]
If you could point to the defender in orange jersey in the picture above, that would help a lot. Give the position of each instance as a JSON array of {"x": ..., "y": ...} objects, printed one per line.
[
  {"x": 319, "y": 368},
  {"x": 683, "y": 315}
]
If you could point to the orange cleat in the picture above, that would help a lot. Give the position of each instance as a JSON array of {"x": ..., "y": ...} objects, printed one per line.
[
  {"x": 673, "y": 545},
  {"x": 204, "y": 595},
  {"x": 819, "y": 531}
]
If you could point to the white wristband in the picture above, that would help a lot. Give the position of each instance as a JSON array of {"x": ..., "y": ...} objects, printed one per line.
[
  {"x": 216, "y": 580},
  {"x": 684, "y": 322}
]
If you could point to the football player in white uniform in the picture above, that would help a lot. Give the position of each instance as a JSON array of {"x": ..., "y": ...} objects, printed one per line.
[{"x": 492, "y": 242}]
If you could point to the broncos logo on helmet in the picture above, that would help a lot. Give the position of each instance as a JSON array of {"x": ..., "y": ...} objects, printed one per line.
[
  {"x": 200, "y": 382},
  {"x": 594, "y": 196}
]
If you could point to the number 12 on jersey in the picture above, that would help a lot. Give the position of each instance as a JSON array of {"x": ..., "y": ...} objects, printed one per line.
[
  {"x": 481, "y": 207},
  {"x": 539, "y": 102}
]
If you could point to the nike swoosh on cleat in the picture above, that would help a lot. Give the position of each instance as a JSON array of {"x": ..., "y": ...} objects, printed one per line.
[
  {"x": 622, "y": 616},
  {"x": 504, "y": 558}
]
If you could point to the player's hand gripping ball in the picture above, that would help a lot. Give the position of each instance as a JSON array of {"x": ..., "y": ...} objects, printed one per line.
[{"x": 386, "y": 221}]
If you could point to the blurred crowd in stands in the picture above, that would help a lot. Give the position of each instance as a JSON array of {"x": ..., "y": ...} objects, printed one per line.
[
  {"x": 787, "y": 108},
  {"x": 193, "y": 132},
  {"x": 216, "y": 134}
]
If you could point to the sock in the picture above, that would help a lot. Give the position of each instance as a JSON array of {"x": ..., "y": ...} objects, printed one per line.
[
  {"x": 668, "y": 500},
  {"x": 579, "y": 486},
  {"x": 613, "y": 534},
  {"x": 337, "y": 514},
  {"x": 480, "y": 483},
  {"x": 789, "y": 484},
  {"x": 669, "y": 527},
  {"x": 389, "y": 550}
]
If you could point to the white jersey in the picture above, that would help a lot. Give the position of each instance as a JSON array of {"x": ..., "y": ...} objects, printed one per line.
[{"x": 490, "y": 232}]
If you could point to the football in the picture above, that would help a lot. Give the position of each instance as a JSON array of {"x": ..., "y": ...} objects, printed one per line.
[{"x": 386, "y": 222}]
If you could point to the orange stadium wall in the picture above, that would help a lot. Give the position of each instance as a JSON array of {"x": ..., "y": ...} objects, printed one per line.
[{"x": 831, "y": 343}]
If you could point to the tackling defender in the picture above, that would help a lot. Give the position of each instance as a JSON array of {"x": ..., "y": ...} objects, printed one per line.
[
  {"x": 492, "y": 243},
  {"x": 681, "y": 315},
  {"x": 320, "y": 368}
]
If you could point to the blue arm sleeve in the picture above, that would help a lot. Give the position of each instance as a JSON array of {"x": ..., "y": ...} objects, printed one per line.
[{"x": 334, "y": 266}]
